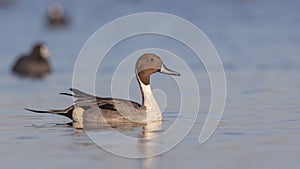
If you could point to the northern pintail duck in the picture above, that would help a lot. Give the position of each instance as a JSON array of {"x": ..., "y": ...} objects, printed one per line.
[
  {"x": 35, "y": 65},
  {"x": 89, "y": 108}
]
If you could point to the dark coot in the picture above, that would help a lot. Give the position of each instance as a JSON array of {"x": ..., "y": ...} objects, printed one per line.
[{"x": 35, "y": 65}]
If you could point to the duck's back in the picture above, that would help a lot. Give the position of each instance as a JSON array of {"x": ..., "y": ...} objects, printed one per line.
[{"x": 109, "y": 110}]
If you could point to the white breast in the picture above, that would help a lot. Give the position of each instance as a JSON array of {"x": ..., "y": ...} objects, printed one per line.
[{"x": 152, "y": 108}]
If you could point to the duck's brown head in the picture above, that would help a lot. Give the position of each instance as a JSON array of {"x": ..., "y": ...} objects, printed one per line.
[{"x": 148, "y": 64}]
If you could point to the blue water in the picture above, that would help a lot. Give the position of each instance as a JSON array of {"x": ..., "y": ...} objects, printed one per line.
[{"x": 258, "y": 43}]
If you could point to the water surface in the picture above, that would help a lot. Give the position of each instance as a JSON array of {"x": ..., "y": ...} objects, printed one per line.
[{"x": 258, "y": 42}]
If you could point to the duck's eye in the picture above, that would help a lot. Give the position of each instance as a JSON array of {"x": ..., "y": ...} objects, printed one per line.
[{"x": 151, "y": 59}]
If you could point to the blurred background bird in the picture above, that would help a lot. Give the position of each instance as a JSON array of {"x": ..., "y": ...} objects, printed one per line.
[
  {"x": 35, "y": 65},
  {"x": 56, "y": 15}
]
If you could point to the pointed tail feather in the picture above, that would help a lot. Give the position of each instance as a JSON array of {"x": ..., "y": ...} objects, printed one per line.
[
  {"x": 80, "y": 96},
  {"x": 65, "y": 112},
  {"x": 67, "y": 94}
]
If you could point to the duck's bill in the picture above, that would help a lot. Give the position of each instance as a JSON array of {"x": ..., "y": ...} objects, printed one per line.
[{"x": 168, "y": 71}]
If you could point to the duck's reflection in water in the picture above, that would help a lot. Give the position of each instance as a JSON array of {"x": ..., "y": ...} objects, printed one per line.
[
  {"x": 148, "y": 144},
  {"x": 147, "y": 135}
]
